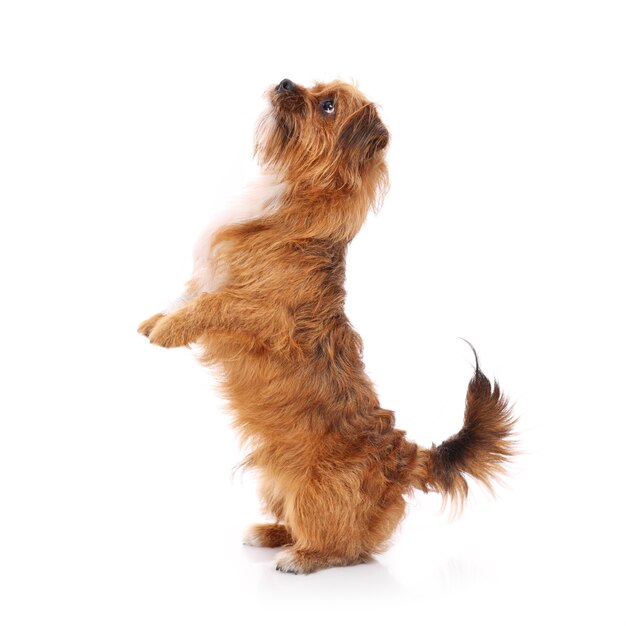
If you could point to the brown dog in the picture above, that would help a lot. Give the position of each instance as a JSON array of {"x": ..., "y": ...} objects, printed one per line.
[{"x": 266, "y": 304}]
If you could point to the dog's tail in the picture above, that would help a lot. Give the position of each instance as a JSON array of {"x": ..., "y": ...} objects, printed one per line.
[{"x": 480, "y": 449}]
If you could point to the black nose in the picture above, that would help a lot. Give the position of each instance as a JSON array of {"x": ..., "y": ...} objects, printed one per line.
[{"x": 286, "y": 85}]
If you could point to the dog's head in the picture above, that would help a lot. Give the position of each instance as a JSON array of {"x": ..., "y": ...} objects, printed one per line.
[{"x": 328, "y": 137}]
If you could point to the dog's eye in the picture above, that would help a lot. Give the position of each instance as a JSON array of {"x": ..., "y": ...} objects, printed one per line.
[{"x": 328, "y": 106}]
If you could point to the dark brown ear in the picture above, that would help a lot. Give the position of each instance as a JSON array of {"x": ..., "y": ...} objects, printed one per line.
[{"x": 363, "y": 134}]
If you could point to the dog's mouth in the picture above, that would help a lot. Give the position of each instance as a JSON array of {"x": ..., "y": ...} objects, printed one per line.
[{"x": 286, "y": 125}]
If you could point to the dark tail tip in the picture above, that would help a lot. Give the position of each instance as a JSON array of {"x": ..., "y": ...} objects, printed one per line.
[{"x": 477, "y": 366}]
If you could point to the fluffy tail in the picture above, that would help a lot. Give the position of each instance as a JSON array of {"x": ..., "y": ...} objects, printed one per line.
[{"x": 479, "y": 449}]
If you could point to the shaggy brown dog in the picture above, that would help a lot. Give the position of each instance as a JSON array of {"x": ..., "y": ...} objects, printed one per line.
[{"x": 266, "y": 304}]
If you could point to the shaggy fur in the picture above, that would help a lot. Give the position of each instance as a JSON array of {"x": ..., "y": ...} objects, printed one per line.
[{"x": 334, "y": 470}]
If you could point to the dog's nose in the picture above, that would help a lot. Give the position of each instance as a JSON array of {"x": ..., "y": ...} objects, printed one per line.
[{"x": 286, "y": 85}]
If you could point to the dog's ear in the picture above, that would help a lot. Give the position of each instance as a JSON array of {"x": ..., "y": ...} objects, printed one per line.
[{"x": 363, "y": 134}]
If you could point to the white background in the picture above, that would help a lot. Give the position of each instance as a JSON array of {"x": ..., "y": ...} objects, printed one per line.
[{"x": 124, "y": 125}]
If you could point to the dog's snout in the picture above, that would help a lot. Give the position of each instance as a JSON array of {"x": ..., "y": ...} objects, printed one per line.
[{"x": 286, "y": 85}]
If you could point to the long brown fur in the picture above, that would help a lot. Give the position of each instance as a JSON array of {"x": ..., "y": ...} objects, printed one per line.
[{"x": 334, "y": 471}]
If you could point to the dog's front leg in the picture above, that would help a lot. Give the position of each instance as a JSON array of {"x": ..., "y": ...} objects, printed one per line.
[{"x": 186, "y": 324}]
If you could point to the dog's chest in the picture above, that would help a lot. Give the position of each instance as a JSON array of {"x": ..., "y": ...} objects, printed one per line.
[{"x": 260, "y": 198}]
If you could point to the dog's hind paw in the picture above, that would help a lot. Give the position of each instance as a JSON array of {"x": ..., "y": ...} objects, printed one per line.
[
  {"x": 289, "y": 563},
  {"x": 293, "y": 561},
  {"x": 267, "y": 536}
]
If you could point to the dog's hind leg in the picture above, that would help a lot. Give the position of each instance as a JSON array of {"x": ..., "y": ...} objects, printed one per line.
[
  {"x": 326, "y": 521},
  {"x": 269, "y": 535}
]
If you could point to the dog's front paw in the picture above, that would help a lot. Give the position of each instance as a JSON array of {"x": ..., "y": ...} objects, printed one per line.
[
  {"x": 172, "y": 331},
  {"x": 146, "y": 326}
]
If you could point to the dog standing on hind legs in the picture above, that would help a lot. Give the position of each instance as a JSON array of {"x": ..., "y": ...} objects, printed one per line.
[{"x": 266, "y": 305}]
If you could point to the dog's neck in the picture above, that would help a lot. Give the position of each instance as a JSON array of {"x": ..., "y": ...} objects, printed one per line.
[{"x": 328, "y": 212}]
